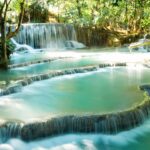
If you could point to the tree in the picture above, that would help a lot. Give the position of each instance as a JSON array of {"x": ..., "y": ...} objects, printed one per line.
[{"x": 6, "y": 35}]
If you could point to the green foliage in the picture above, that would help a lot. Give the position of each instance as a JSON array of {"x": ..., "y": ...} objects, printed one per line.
[
  {"x": 38, "y": 11},
  {"x": 123, "y": 14},
  {"x": 10, "y": 48},
  {"x": 15, "y": 5}
]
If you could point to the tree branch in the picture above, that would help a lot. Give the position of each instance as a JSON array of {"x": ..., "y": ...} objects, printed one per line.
[
  {"x": 11, "y": 34},
  {"x": 6, "y": 9},
  {"x": 3, "y": 5}
]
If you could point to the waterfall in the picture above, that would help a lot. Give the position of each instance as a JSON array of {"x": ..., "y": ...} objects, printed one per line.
[
  {"x": 9, "y": 130},
  {"x": 142, "y": 45},
  {"x": 21, "y": 47},
  {"x": 107, "y": 124},
  {"x": 111, "y": 123},
  {"x": 45, "y": 35}
]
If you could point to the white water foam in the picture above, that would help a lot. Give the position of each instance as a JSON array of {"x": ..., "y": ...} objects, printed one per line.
[{"x": 22, "y": 47}]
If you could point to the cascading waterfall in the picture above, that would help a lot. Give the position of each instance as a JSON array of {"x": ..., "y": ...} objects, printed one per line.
[
  {"x": 108, "y": 124},
  {"x": 9, "y": 130},
  {"x": 45, "y": 35}
]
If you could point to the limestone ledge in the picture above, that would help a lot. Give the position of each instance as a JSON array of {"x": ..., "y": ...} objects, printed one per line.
[
  {"x": 111, "y": 123},
  {"x": 18, "y": 85}
]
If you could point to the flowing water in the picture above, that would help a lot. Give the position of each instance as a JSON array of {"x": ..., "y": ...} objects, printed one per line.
[
  {"x": 52, "y": 36},
  {"x": 142, "y": 45},
  {"x": 41, "y": 62},
  {"x": 135, "y": 139},
  {"x": 104, "y": 90},
  {"x": 71, "y": 94}
]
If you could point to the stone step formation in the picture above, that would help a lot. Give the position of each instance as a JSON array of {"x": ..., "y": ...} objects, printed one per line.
[
  {"x": 27, "y": 81},
  {"x": 111, "y": 123}
]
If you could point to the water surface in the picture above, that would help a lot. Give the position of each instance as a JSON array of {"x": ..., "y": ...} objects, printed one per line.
[{"x": 107, "y": 90}]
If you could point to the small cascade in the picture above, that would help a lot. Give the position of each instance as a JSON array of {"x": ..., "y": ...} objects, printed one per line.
[
  {"x": 22, "y": 47},
  {"x": 107, "y": 123},
  {"x": 17, "y": 87},
  {"x": 9, "y": 130},
  {"x": 11, "y": 89},
  {"x": 110, "y": 123},
  {"x": 143, "y": 45},
  {"x": 36, "y": 62},
  {"x": 45, "y": 35}
]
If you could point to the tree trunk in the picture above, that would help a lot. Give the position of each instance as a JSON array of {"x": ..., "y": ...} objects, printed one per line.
[
  {"x": 4, "y": 37},
  {"x": 4, "y": 59}
]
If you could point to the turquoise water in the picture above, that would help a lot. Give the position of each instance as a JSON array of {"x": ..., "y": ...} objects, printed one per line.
[
  {"x": 79, "y": 59},
  {"x": 60, "y": 64},
  {"x": 107, "y": 90},
  {"x": 45, "y": 53},
  {"x": 104, "y": 91}
]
